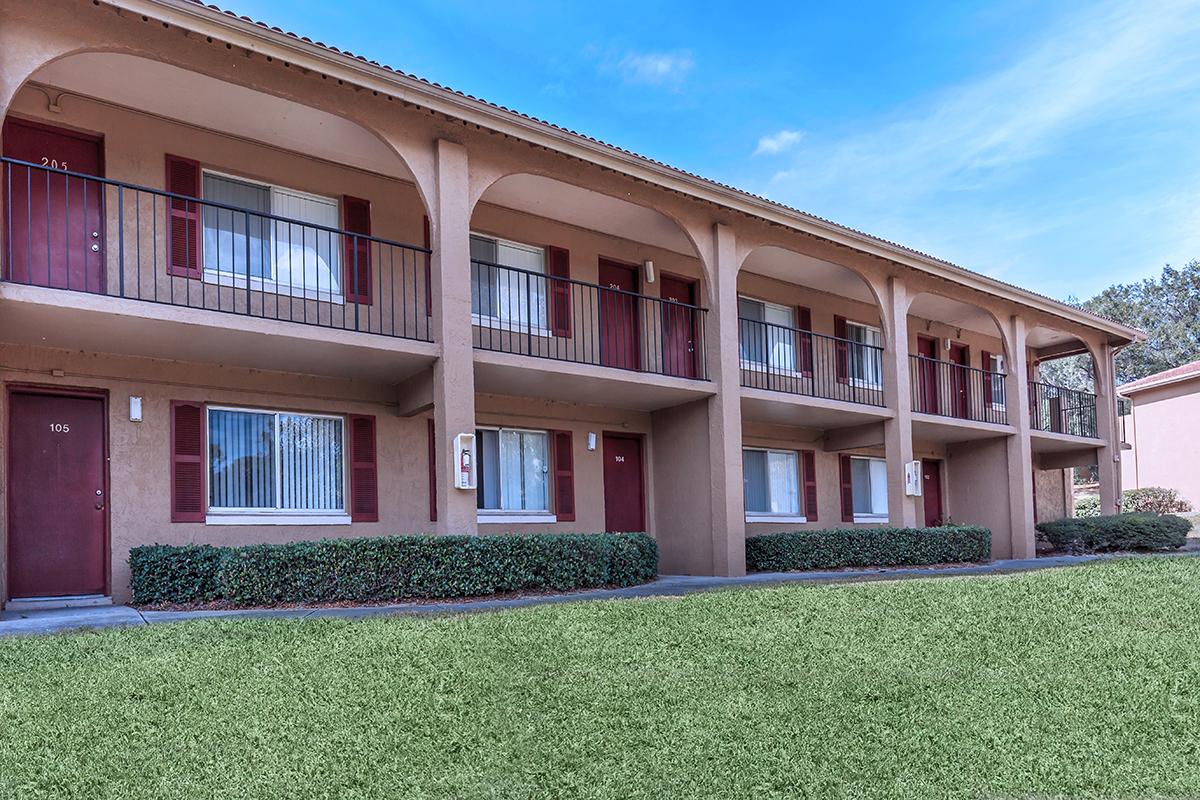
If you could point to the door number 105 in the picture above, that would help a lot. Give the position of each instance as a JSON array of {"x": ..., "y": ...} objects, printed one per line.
[{"x": 60, "y": 427}]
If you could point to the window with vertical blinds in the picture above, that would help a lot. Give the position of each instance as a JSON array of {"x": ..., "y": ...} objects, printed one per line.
[{"x": 264, "y": 461}]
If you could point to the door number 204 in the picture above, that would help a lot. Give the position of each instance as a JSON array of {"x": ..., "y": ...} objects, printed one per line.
[{"x": 60, "y": 427}]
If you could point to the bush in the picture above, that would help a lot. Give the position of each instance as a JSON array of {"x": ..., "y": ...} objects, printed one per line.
[
  {"x": 390, "y": 568},
  {"x": 1151, "y": 500},
  {"x": 866, "y": 547},
  {"x": 1136, "y": 531},
  {"x": 1087, "y": 506}
]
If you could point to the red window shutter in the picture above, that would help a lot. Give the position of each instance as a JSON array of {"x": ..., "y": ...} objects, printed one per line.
[
  {"x": 841, "y": 350},
  {"x": 187, "y": 462},
  {"x": 808, "y": 467},
  {"x": 356, "y": 218},
  {"x": 847, "y": 482},
  {"x": 428, "y": 269},
  {"x": 804, "y": 323},
  {"x": 986, "y": 358},
  {"x": 564, "y": 476},
  {"x": 558, "y": 262},
  {"x": 364, "y": 474},
  {"x": 183, "y": 217},
  {"x": 432, "y": 473}
]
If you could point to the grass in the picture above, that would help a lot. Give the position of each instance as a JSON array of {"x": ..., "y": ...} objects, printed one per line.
[{"x": 1082, "y": 682}]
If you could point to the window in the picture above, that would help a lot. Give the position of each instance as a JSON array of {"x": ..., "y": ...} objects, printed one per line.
[
  {"x": 772, "y": 483},
  {"x": 996, "y": 366},
  {"x": 513, "y": 470},
  {"x": 868, "y": 479},
  {"x": 866, "y": 355},
  {"x": 771, "y": 343},
  {"x": 267, "y": 462},
  {"x": 286, "y": 257},
  {"x": 508, "y": 284}
]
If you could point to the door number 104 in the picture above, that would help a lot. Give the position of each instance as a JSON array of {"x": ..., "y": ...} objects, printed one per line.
[{"x": 60, "y": 427}]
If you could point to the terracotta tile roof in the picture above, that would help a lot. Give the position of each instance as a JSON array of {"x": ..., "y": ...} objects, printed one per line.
[
  {"x": 692, "y": 175},
  {"x": 1172, "y": 375}
]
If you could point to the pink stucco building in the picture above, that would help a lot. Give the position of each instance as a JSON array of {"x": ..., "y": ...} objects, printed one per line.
[{"x": 1160, "y": 427}]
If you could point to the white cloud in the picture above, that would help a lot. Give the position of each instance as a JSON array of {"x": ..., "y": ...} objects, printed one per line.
[
  {"x": 656, "y": 69},
  {"x": 778, "y": 143}
]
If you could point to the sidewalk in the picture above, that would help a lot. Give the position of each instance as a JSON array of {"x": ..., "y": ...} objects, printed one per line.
[{"x": 19, "y": 623}]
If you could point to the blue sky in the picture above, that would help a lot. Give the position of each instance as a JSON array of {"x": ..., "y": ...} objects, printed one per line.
[{"x": 1055, "y": 145}]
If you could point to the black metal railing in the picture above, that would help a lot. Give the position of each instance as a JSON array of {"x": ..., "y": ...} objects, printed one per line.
[
  {"x": 67, "y": 230},
  {"x": 1058, "y": 409},
  {"x": 954, "y": 390},
  {"x": 528, "y": 313},
  {"x": 785, "y": 359}
]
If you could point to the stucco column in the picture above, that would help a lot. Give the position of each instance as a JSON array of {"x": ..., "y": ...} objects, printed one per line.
[
  {"x": 1020, "y": 450},
  {"x": 725, "y": 410},
  {"x": 897, "y": 431},
  {"x": 453, "y": 373},
  {"x": 1106, "y": 428}
]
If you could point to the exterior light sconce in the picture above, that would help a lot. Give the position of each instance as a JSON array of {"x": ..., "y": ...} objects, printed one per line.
[
  {"x": 135, "y": 408},
  {"x": 591, "y": 442},
  {"x": 648, "y": 266}
]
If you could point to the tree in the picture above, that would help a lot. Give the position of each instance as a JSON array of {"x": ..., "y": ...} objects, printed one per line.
[{"x": 1167, "y": 308}]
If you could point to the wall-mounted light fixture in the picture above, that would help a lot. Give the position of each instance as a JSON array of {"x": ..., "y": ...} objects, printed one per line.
[
  {"x": 648, "y": 266},
  {"x": 591, "y": 440},
  {"x": 135, "y": 408}
]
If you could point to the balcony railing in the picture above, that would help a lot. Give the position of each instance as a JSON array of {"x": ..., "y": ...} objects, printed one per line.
[
  {"x": 76, "y": 232},
  {"x": 528, "y": 313},
  {"x": 954, "y": 390},
  {"x": 785, "y": 359},
  {"x": 1058, "y": 409}
]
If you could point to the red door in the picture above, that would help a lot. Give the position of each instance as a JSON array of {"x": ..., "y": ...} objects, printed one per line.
[
  {"x": 679, "y": 327},
  {"x": 931, "y": 488},
  {"x": 54, "y": 233},
  {"x": 960, "y": 383},
  {"x": 927, "y": 380},
  {"x": 624, "y": 503},
  {"x": 57, "y": 495},
  {"x": 619, "y": 341}
]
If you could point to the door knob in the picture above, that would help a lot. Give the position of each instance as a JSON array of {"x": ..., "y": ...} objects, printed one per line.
[{"x": 95, "y": 248}]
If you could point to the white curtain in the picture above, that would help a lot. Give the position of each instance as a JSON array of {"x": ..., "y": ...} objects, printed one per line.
[
  {"x": 523, "y": 471},
  {"x": 505, "y": 294},
  {"x": 866, "y": 361},
  {"x": 306, "y": 257},
  {"x": 785, "y": 482}
]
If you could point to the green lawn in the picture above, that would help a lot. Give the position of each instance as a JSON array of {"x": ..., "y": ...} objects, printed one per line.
[{"x": 1079, "y": 682}]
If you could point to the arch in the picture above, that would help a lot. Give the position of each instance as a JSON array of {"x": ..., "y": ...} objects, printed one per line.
[
  {"x": 410, "y": 161},
  {"x": 946, "y": 312}
]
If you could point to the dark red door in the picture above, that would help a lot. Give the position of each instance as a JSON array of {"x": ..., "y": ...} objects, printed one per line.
[
  {"x": 54, "y": 232},
  {"x": 931, "y": 489},
  {"x": 960, "y": 380},
  {"x": 56, "y": 496},
  {"x": 624, "y": 503},
  {"x": 679, "y": 327},
  {"x": 619, "y": 341},
  {"x": 927, "y": 380}
]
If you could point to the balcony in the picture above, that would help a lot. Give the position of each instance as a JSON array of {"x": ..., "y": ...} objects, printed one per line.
[
  {"x": 1057, "y": 409},
  {"x": 956, "y": 391},
  {"x": 517, "y": 311},
  {"x": 94, "y": 264},
  {"x": 800, "y": 362}
]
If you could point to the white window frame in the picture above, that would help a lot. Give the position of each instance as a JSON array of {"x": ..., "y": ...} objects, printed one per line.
[
  {"x": 997, "y": 365},
  {"x": 768, "y": 516},
  {"x": 500, "y": 516},
  {"x": 518, "y": 326},
  {"x": 271, "y": 286},
  {"x": 874, "y": 517},
  {"x": 766, "y": 366},
  {"x": 274, "y": 516},
  {"x": 859, "y": 382}
]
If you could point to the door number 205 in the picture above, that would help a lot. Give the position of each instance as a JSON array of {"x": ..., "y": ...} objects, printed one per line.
[{"x": 60, "y": 427}]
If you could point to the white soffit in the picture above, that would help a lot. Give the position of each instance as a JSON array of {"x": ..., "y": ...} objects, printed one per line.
[
  {"x": 574, "y": 205},
  {"x": 795, "y": 268},
  {"x": 168, "y": 91},
  {"x": 954, "y": 313}
]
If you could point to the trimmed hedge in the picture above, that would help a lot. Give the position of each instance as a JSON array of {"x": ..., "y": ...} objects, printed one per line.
[
  {"x": 1151, "y": 500},
  {"x": 866, "y": 547},
  {"x": 389, "y": 568},
  {"x": 1134, "y": 531}
]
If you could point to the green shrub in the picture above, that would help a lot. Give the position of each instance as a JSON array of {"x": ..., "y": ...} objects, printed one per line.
[
  {"x": 168, "y": 574},
  {"x": 1136, "y": 531},
  {"x": 1154, "y": 500},
  {"x": 398, "y": 567},
  {"x": 866, "y": 547},
  {"x": 1087, "y": 506}
]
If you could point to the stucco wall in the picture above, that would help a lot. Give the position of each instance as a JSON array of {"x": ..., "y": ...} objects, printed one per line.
[
  {"x": 1166, "y": 451},
  {"x": 978, "y": 480}
]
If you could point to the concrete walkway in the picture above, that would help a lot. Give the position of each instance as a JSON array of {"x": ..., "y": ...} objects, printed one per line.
[{"x": 18, "y": 623}]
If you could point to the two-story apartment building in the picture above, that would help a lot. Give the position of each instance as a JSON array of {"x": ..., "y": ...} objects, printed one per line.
[{"x": 257, "y": 289}]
